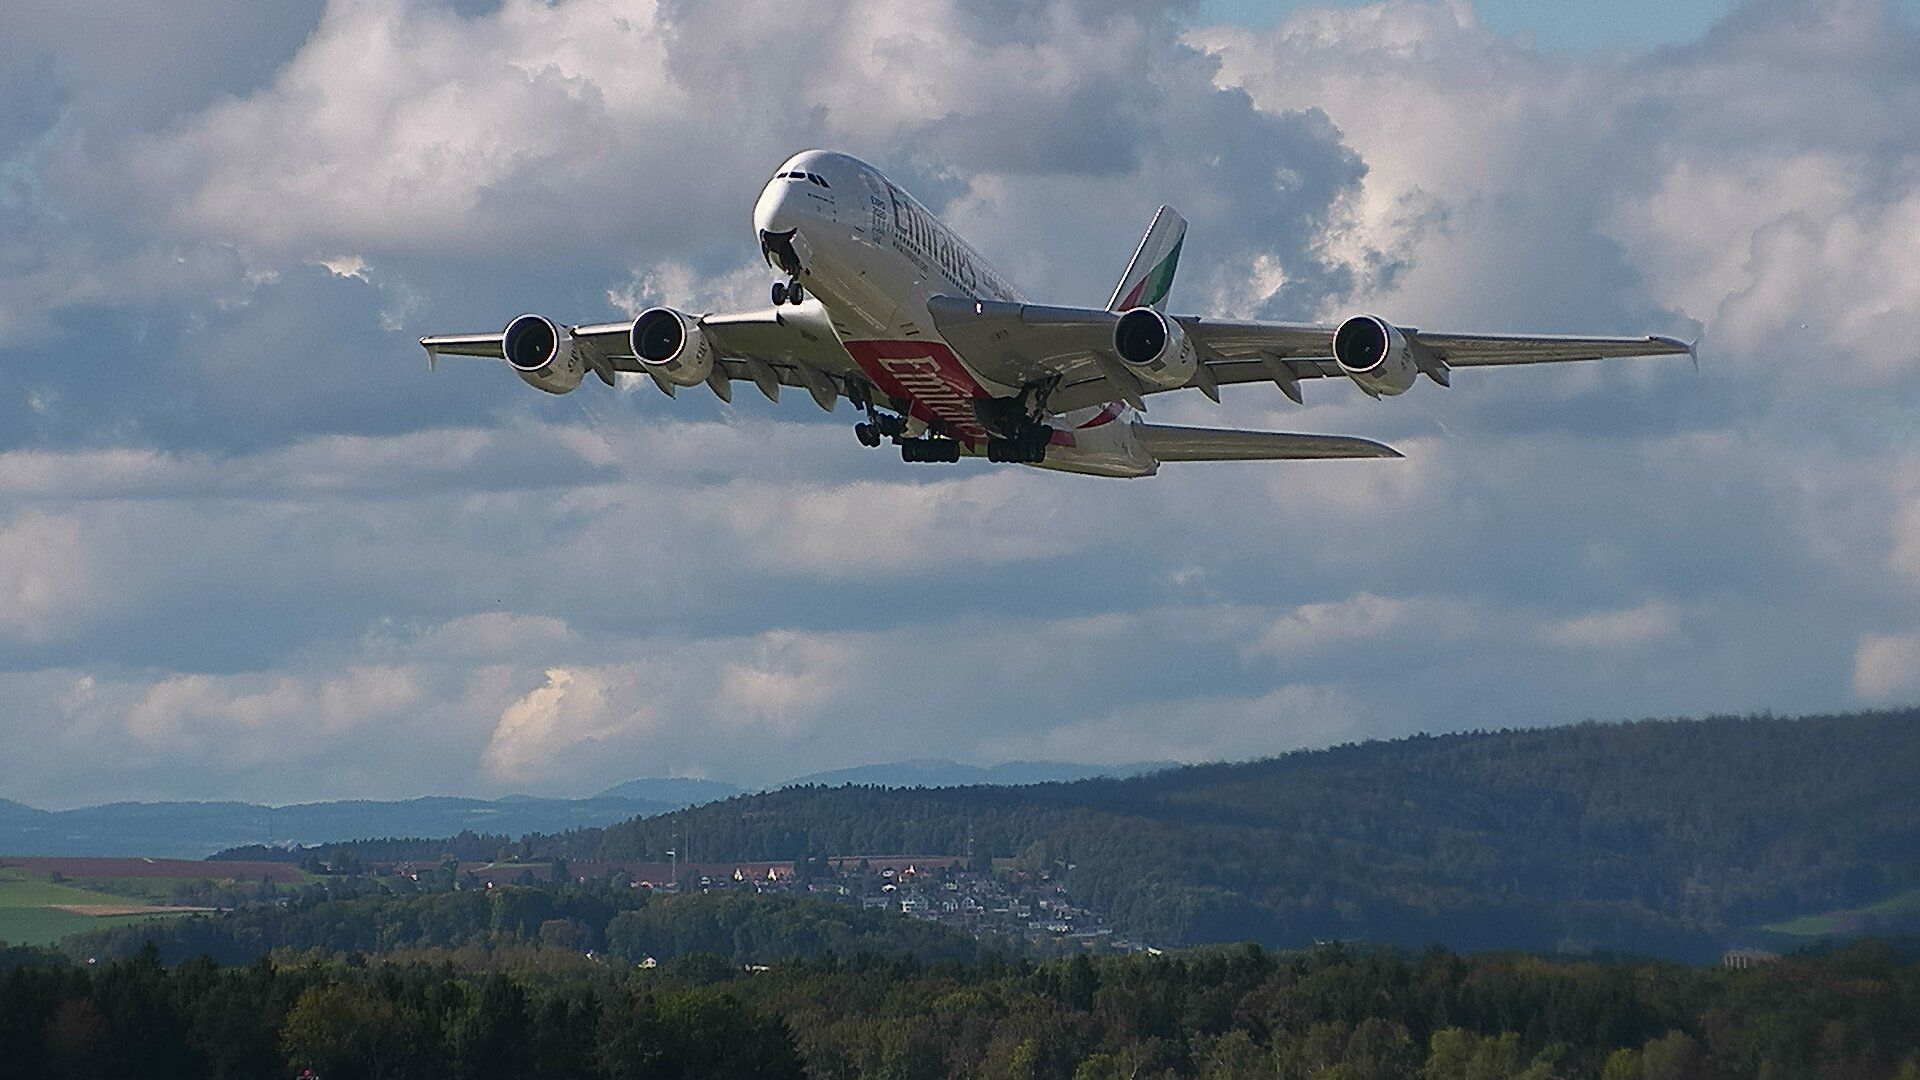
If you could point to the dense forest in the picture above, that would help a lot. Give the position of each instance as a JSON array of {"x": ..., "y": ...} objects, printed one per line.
[
  {"x": 629, "y": 926},
  {"x": 1332, "y": 1013},
  {"x": 1663, "y": 837}
]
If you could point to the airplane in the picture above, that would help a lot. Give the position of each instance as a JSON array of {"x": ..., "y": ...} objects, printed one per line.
[{"x": 881, "y": 303}]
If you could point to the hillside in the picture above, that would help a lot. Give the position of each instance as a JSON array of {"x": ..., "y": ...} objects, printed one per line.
[
  {"x": 1667, "y": 837},
  {"x": 941, "y": 772},
  {"x": 192, "y": 830}
]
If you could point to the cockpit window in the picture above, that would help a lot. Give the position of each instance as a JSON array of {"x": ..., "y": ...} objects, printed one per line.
[
  {"x": 807, "y": 176},
  {"x": 817, "y": 180}
]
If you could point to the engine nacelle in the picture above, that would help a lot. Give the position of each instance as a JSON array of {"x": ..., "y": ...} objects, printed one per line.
[
  {"x": 1154, "y": 347},
  {"x": 542, "y": 354},
  {"x": 671, "y": 345},
  {"x": 1376, "y": 355}
]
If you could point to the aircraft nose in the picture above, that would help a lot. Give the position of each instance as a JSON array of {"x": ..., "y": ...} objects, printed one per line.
[
  {"x": 776, "y": 218},
  {"x": 775, "y": 212}
]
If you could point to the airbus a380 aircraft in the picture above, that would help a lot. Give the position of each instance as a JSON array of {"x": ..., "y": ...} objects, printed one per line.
[{"x": 887, "y": 307}]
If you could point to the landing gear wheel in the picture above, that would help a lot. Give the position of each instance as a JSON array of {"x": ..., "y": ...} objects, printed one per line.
[
  {"x": 1027, "y": 448},
  {"x": 796, "y": 293},
  {"x": 779, "y": 293},
  {"x": 868, "y": 434},
  {"x": 921, "y": 450}
]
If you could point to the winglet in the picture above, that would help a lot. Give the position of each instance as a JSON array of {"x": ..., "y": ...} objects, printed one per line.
[{"x": 1692, "y": 348}]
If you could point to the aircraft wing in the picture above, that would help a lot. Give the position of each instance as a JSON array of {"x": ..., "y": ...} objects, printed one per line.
[
  {"x": 791, "y": 346},
  {"x": 1030, "y": 343}
]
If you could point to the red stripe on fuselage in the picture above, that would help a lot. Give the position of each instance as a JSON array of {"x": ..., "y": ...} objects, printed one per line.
[{"x": 927, "y": 375}]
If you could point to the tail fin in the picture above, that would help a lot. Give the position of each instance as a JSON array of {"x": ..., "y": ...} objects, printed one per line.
[{"x": 1150, "y": 275}]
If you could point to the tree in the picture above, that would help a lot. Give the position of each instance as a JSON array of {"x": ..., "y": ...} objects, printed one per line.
[
  {"x": 348, "y": 1031},
  {"x": 1673, "y": 1056},
  {"x": 491, "y": 1039},
  {"x": 1622, "y": 1064}
]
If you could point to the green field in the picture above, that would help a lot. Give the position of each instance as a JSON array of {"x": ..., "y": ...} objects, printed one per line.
[
  {"x": 27, "y": 915},
  {"x": 1836, "y": 923}
]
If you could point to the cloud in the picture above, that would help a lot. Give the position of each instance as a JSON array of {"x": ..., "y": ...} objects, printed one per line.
[
  {"x": 1699, "y": 190},
  {"x": 571, "y": 708},
  {"x": 1222, "y": 728},
  {"x": 49, "y": 585},
  {"x": 1886, "y": 667},
  {"x": 1631, "y": 627},
  {"x": 249, "y": 547},
  {"x": 1314, "y": 627},
  {"x": 242, "y": 719}
]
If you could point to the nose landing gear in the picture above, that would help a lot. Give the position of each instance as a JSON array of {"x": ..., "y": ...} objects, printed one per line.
[{"x": 778, "y": 247}]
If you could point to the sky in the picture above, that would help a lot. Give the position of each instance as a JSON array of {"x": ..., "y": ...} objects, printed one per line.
[{"x": 250, "y": 548}]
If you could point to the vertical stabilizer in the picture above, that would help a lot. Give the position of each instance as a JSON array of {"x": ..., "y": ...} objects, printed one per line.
[{"x": 1150, "y": 275}]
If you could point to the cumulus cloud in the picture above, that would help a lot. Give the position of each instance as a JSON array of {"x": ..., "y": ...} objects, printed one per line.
[
  {"x": 248, "y": 547},
  {"x": 1886, "y": 667},
  {"x": 1706, "y": 180},
  {"x": 48, "y": 583},
  {"x": 1632, "y": 627}
]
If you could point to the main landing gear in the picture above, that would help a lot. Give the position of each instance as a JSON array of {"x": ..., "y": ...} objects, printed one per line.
[
  {"x": 1014, "y": 434},
  {"x": 788, "y": 292},
  {"x": 1027, "y": 447},
  {"x": 947, "y": 450},
  {"x": 880, "y": 426}
]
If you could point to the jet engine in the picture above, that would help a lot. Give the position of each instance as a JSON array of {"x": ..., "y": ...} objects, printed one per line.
[
  {"x": 1375, "y": 355},
  {"x": 672, "y": 346},
  {"x": 1154, "y": 347},
  {"x": 542, "y": 354}
]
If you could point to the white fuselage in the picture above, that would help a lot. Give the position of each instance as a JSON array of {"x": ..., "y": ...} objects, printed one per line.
[{"x": 872, "y": 257}]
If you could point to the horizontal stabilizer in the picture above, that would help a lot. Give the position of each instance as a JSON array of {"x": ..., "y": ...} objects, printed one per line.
[{"x": 1167, "y": 443}]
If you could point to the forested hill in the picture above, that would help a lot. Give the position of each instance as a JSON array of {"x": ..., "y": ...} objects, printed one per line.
[{"x": 1668, "y": 837}]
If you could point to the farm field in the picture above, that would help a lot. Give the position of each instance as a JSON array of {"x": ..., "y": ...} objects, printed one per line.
[
  {"x": 32, "y": 908},
  {"x": 1904, "y": 906}
]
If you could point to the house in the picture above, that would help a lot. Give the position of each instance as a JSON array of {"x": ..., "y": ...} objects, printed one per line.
[{"x": 1741, "y": 958}]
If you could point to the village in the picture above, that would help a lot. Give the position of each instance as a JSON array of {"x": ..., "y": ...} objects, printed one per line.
[{"x": 984, "y": 900}]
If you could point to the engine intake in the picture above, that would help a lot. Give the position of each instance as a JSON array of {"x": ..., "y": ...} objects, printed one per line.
[
  {"x": 671, "y": 345},
  {"x": 542, "y": 354},
  {"x": 1154, "y": 347},
  {"x": 1375, "y": 355}
]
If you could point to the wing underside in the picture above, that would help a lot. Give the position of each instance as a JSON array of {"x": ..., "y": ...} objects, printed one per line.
[
  {"x": 1032, "y": 343},
  {"x": 770, "y": 348}
]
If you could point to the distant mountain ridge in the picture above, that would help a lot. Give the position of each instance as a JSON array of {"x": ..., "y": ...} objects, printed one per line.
[
  {"x": 1672, "y": 838},
  {"x": 682, "y": 790},
  {"x": 945, "y": 773},
  {"x": 193, "y": 830}
]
